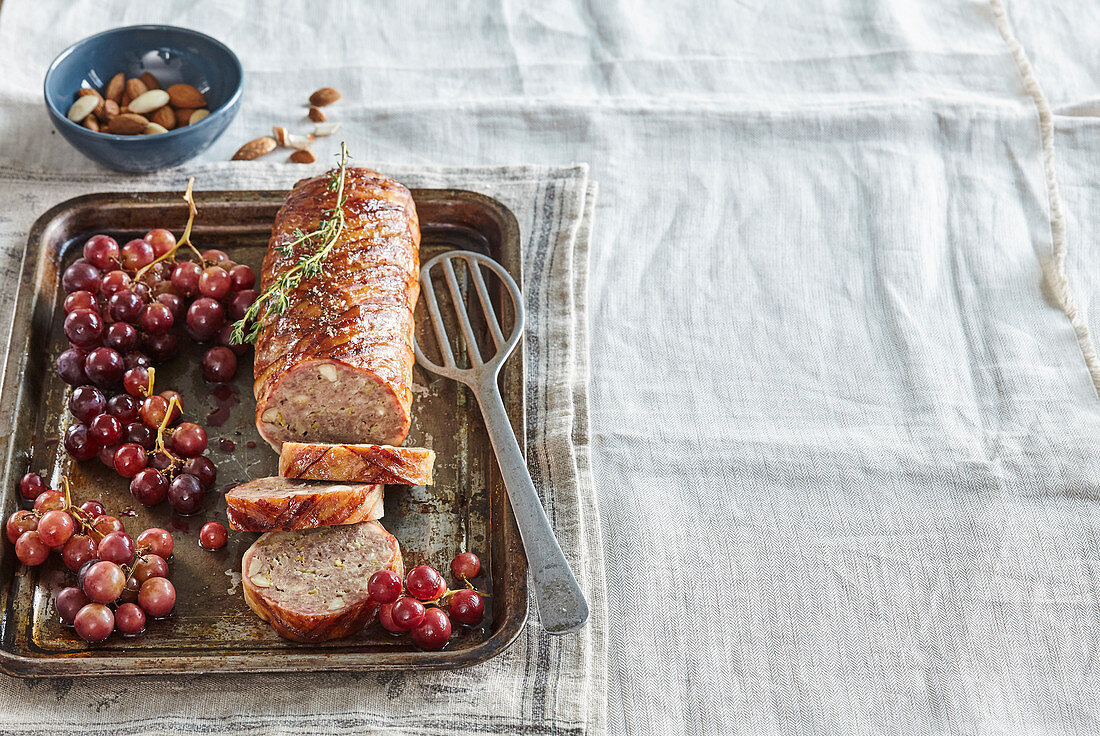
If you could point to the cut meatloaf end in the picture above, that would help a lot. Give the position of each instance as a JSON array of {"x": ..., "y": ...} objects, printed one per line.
[
  {"x": 311, "y": 584},
  {"x": 268, "y": 504},
  {"x": 359, "y": 463}
]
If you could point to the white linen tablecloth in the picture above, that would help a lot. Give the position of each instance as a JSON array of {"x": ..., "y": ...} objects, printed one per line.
[{"x": 841, "y": 311}]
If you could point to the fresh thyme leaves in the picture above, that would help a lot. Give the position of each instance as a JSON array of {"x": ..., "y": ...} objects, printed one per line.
[{"x": 316, "y": 245}]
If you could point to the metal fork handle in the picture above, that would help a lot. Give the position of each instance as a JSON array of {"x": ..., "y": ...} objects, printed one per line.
[{"x": 562, "y": 607}]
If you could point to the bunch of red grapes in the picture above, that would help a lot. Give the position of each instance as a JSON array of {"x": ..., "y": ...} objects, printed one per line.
[
  {"x": 125, "y": 310},
  {"x": 120, "y": 583},
  {"x": 417, "y": 606}
]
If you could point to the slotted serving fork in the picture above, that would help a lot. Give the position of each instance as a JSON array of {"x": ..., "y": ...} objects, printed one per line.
[{"x": 562, "y": 607}]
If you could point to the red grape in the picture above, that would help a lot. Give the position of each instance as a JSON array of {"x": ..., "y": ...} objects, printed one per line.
[
  {"x": 384, "y": 586},
  {"x": 101, "y": 251},
  {"x": 104, "y": 367},
  {"x": 214, "y": 282},
  {"x": 150, "y": 566},
  {"x": 81, "y": 276},
  {"x": 153, "y": 410},
  {"x": 219, "y": 364},
  {"x": 129, "y": 591},
  {"x": 114, "y": 282},
  {"x": 140, "y": 434},
  {"x": 205, "y": 317},
  {"x": 162, "y": 348},
  {"x": 213, "y": 535},
  {"x": 218, "y": 258},
  {"x": 189, "y": 439},
  {"x": 117, "y": 547},
  {"x": 136, "y": 254},
  {"x": 168, "y": 395},
  {"x": 84, "y": 327},
  {"x": 203, "y": 469},
  {"x": 106, "y": 430},
  {"x": 407, "y": 613},
  {"x": 242, "y": 277},
  {"x": 136, "y": 380},
  {"x": 78, "y": 550},
  {"x": 467, "y": 607},
  {"x": 185, "y": 278},
  {"x": 157, "y": 540},
  {"x": 136, "y": 359},
  {"x": 130, "y": 619},
  {"x": 94, "y": 622},
  {"x": 79, "y": 442},
  {"x": 465, "y": 565},
  {"x": 30, "y": 549},
  {"x": 123, "y": 407},
  {"x": 385, "y": 617},
  {"x": 55, "y": 528},
  {"x": 93, "y": 508},
  {"x": 157, "y": 597},
  {"x": 176, "y": 305},
  {"x": 225, "y": 339},
  {"x": 162, "y": 460},
  {"x": 121, "y": 336},
  {"x": 105, "y": 524},
  {"x": 185, "y": 493},
  {"x": 103, "y": 582},
  {"x": 49, "y": 500},
  {"x": 86, "y": 403},
  {"x": 31, "y": 485},
  {"x": 425, "y": 582},
  {"x": 129, "y": 459},
  {"x": 70, "y": 366},
  {"x": 79, "y": 300},
  {"x": 434, "y": 631},
  {"x": 106, "y": 456},
  {"x": 20, "y": 522},
  {"x": 149, "y": 487},
  {"x": 156, "y": 319},
  {"x": 126, "y": 306},
  {"x": 68, "y": 602},
  {"x": 162, "y": 241}
]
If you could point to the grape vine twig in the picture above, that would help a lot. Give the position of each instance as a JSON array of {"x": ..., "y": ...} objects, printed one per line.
[
  {"x": 185, "y": 239},
  {"x": 275, "y": 299}
]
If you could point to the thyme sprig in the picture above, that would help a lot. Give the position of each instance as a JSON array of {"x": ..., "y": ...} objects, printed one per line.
[{"x": 315, "y": 247}]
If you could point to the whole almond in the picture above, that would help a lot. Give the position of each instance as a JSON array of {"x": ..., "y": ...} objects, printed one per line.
[
  {"x": 152, "y": 100},
  {"x": 135, "y": 88},
  {"x": 279, "y": 133},
  {"x": 304, "y": 156},
  {"x": 183, "y": 115},
  {"x": 324, "y": 96},
  {"x": 316, "y": 114},
  {"x": 110, "y": 110},
  {"x": 255, "y": 149},
  {"x": 197, "y": 116},
  {"x": 150, "y": 81},
  {"x": 165, "y": 117},
  {"x": 153, "y": 129},
  {"x": 91, "y": 123},
  {"x": 128, "y": 123},
  {"x": 184, "y": 95},
  {"x": 116, "y": 87},
  {"x": 82, "y": 108},
  {"x": 125, "y": 101}
]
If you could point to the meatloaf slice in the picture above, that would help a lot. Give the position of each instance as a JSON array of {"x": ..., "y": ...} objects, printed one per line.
[
  {"x": 360, "y": 463},
  {"x": 268, "y": 504},
  {"x": 311, "y": 584}
]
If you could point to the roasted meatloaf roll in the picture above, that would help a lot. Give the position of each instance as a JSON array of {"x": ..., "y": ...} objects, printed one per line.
[
  {"x": 336, "y": 366},
  {"x": 311, "y": 584},
  {"x": 360, "y": 463},
  {"x": 267, "y": 504}
]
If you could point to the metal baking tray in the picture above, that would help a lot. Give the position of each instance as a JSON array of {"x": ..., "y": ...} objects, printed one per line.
[{"x": 212, "y": 629}]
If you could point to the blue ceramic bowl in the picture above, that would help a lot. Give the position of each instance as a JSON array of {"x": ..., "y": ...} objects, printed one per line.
[{"x": 172, "y": 55}]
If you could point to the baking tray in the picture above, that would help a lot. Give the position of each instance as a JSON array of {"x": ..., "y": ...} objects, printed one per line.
[{"x": 212, "y": 629}]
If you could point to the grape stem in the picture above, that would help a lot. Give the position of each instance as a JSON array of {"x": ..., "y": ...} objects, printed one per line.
[
  {"x": 185, "y": 239},
  {"x": 173, "y": 403}
]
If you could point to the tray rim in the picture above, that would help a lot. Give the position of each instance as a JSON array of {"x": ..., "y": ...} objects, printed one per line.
[{"x": 27, "y": 302}]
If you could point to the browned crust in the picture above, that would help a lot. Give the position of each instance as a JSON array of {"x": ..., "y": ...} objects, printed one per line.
[
  {"x": 358, "y": 463},
  {"x": 303, "y": 510},
  {"x": 359, "y": 311},
  {"x": 317, "y": 627}
]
